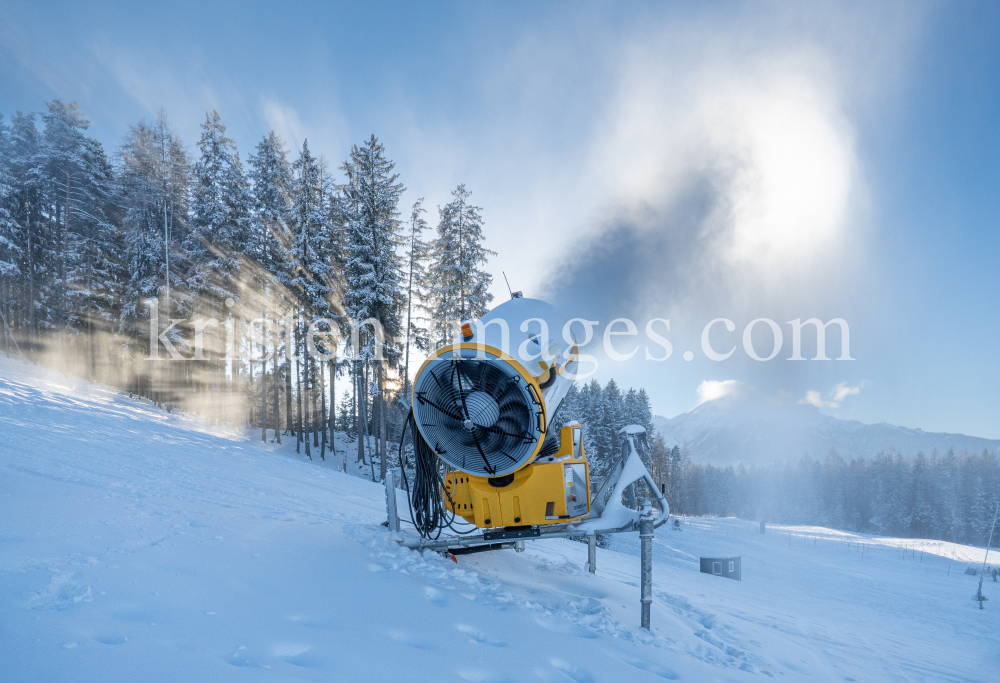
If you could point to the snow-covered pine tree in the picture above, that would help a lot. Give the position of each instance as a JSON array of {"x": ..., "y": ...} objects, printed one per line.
[
  {"x": 417, "y": 291},
  {"x": 154, "y": 180},
  {"x": 26, "y": 204},
  {"x": 272, "y": 181},
  {"x": 310, "y": 264},
  {"x": 10, "y": 239},
  {"x": 644, "y": 413},
  {"x": 614, "y": 417},
  {"x": 594, "y": 427},
  {"x": 220, "y": 213},
  {"x": 630, "y": 408},
  {"x": 87, "y": 249},
  {"x": 460, "y": 286},
  {"x": 373, "y": 274},
  {"x": 675, "y": 474},
  {"x": 220, "y": 228}
]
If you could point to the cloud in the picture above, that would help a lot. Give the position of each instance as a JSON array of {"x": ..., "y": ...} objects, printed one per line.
[
  {"x": 709, "y": 390},
  {"x": 842, "y": 391},
  {"x": 284, "y": 120},
  {"x": 735, "y": 177},
  {"x": 835, "y": 396},
  {"x": 813, "y": 398}
]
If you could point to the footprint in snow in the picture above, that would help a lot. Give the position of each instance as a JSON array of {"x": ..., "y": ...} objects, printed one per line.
[
  {"x": 296, "y": 655},
  {"x": 650, "y": 667},
  {"x": 576, "y": 673},
  {"x": 111, "y": 639},
  {"x": 562, "y": 626},
  {"x": 483, "y": 677},
  {"x": 411, "y": 640},
  {"x": 435, "y": 596},
  {"x": 478, "y": 636}
]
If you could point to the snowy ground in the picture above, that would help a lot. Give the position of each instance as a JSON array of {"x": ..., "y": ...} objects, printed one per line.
[{"x": 141, "y": 546}]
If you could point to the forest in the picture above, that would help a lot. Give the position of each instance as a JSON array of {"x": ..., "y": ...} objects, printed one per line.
[{"x": 114, "y": 264}]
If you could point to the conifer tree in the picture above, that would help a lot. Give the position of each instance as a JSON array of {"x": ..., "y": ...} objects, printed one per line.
[
  {"x": 152, "y": 193},
  {"x": 25, "y": 204},
  {"x": 460, "y": 286},
  {"x": 415, "y": 258},
  {"x": 271, "y": 177},
  {"x": 220, "y": 230},
  {"x": 373, "y": 277},
  {"x": 10, "y": 240},
  {"x": 220, "y": 220},
  {"x": 311, "y": 267},
  {"x": 614, "y": 414}
]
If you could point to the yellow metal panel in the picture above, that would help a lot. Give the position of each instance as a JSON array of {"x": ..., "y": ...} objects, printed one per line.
[{"x": 536, "y": 496}]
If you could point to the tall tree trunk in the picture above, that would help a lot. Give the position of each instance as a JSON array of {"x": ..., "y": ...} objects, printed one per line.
[
  {"x": 333, "y": 405},
  {"x": 263, "y": 375},
  {"x": 298, "y": 397},
  {"x": 359, "y": 398},
  {"x": 32, "y": 331},
  {"x": 322, "y": 412},
  {"x": 305, "y": 401},
  {"x": 288, "y": 385},
  {"x": 383, "y": 463},
  {"x": 314, "y": 406},
  {"x": 277, "y": 404}
]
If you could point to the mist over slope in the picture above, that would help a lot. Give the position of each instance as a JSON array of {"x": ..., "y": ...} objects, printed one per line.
[{"x": 746, "y": 428}]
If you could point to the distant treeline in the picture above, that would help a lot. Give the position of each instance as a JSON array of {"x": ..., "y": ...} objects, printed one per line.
[{"x": 950, "y": 497}]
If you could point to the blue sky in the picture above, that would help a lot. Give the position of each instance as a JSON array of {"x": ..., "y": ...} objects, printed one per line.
[{"x": 677, "y": 160}]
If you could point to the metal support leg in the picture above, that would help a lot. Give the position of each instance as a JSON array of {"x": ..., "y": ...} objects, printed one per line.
[
  {"x": 592, "y": 553},
  {"x": 646, "y": 537},
  {"x": 390, "y": 501},
  {"x": 519, "y": 546}
]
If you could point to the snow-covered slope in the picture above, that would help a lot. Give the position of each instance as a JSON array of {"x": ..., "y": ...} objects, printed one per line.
[
  {"x": 745, "y": 428},
  {"x": 140, "y": 546}
]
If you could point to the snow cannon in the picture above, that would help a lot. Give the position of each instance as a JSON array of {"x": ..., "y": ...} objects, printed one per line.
[{"x": 486, "y": 406}]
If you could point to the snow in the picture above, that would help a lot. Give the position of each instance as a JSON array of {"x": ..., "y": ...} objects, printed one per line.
[{"x": 137, "y": 545}]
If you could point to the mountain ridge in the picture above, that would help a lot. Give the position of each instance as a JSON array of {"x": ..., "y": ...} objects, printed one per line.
[{"x": 743, "y": 428}]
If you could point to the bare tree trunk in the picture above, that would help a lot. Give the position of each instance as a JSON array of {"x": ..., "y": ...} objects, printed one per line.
[
  {"x": 383, "y": 465},
  {"x": 359, "y": 397},
  {"x": 322, "y": 412},
  {"x": 305, "y": 401},
  {"x": 288, "y": 386},
  {"x": 277, "y": 403},
  {"x": 314, "y": 395},
  {"x": 333, "y": 405},
  {"x": 263, "y": 375},
  {"x": 31, "y": 289},
  {"x": 298, "y": 398}
]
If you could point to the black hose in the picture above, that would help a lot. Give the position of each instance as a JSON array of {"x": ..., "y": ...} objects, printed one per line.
[{"x": 428, "y": 513}]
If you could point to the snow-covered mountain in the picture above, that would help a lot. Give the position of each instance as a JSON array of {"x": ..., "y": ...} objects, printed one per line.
[{"x": 743, "y": 427}]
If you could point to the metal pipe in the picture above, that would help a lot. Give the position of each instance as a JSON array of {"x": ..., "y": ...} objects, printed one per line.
[
  {"x": 646, "y": 579},
  {"x": 468, "y": 541},
  {"x": 390, "y": 501},
  {"x": 592, "y": 553}
]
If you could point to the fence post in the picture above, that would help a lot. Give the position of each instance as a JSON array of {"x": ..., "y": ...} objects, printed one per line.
[
  {"x": 390, "y": 501},
  {"x": 592, "y": 553},
  {"x": 646, "y": 536}
]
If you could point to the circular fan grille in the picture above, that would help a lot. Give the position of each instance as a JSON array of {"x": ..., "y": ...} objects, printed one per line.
[{"x": 479, "y": 415}]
